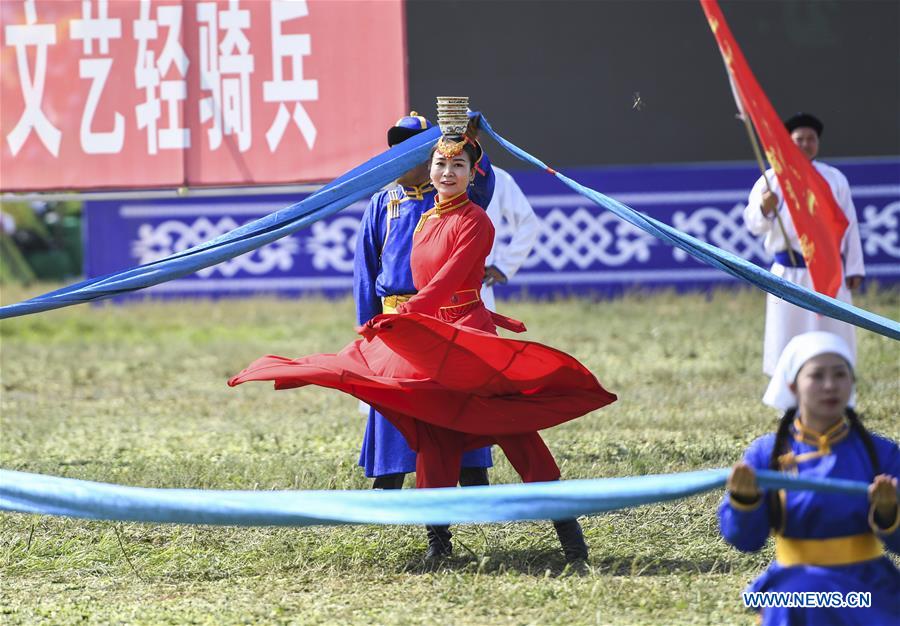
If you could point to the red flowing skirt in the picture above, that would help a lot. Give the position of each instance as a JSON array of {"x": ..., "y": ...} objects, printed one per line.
[{"x": 415, "y": 367}]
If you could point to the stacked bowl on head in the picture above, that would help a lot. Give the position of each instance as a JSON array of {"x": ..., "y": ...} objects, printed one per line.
[{"x": 453, "y": 115}]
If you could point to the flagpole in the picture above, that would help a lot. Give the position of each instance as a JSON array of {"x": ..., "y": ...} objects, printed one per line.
[{"x": 762, "y": 168}]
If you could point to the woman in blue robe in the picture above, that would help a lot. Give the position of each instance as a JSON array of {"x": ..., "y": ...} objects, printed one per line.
[{"x": 824, "y": 542}]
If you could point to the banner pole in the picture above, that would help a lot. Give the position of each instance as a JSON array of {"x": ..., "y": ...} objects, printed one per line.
[{"x": 762, "y": 168}]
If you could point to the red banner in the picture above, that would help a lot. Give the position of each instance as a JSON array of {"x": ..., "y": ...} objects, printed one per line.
[
  {"x": 819, "y": 221},
  {"x": 171, "y": 92}
]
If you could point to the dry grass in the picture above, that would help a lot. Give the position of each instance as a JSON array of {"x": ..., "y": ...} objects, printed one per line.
[{"x": 136, "y": 395}]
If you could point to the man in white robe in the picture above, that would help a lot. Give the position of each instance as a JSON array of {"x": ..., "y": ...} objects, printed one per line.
[
  {"x": 784, "y": 320},
  {"x": 508, "y": 204}
]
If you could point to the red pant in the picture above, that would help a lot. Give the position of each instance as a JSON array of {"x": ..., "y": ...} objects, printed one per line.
[{"x": 439, "y": 456}]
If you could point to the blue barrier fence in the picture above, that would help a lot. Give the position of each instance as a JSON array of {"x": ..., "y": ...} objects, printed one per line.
[{"x": 582, "y": 248}]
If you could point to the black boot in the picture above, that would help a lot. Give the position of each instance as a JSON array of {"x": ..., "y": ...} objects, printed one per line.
[
  {"x": 389, "y": 481},
  {"x": 473, "y": 477},
  {"x": 572, "y": 540},
  {"x": 439, "y": 544}
]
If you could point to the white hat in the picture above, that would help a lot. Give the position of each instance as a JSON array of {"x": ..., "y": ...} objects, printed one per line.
[{"x": 799, "y": 350}]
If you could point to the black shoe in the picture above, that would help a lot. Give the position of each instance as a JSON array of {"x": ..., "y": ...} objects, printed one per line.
[
  {"x": 389, "y": 481},
  {"x": 473, "y": 477},
  {"x": 572, "y": 540},
  {"x": 439, "y": 544}
]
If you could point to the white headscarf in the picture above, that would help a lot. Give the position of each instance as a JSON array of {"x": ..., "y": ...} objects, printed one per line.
[{"x": 799, "y": 350}]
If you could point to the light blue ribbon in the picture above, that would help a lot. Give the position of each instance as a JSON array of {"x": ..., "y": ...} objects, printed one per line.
[
  {"x": 35, "y": 493},
  {"x": 367, "y": 178},
  {"x": 357, "y": 184},
  {"x": 32, "y": 493},
  {"x": 725, "y": 261}
]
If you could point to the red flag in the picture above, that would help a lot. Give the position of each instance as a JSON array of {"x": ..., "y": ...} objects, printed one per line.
[{"x": 819, "y": 221}]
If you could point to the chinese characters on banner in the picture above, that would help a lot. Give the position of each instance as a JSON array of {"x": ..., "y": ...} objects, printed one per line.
[{"x": 142, "y": 93}]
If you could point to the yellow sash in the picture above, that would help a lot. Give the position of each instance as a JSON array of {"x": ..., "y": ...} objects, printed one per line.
[
  {"x": 389, "y": 303},
  {"x": 834, "y": 551}
]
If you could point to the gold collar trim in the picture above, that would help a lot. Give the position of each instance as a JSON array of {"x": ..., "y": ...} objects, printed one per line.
[
  {"x": 823, "y": 442},
  {"x": 417, "y": 192},
  {"x": 442, "y": 207}
]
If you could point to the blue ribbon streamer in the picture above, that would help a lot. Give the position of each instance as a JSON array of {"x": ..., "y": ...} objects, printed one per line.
[
  {"x": 35, "y": 493},
  {"x": 725, "y": 261},
  {"x": 367, "y": 178},
  {"x": 357, "y": 184}
]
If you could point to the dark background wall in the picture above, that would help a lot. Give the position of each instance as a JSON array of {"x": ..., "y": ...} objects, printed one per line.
[{"x": 558, "y": 77}]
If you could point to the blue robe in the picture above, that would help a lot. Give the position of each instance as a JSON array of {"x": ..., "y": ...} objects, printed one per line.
[
  {"x": 811, "y": 515},
  {"x": 381, "y": 268}
]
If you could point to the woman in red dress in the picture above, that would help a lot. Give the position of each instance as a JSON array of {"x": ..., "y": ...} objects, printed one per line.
[{"x": 437, "y": 369}]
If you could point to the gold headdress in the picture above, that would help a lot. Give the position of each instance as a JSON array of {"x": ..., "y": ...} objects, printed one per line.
[{"x": 453, "y": 119}]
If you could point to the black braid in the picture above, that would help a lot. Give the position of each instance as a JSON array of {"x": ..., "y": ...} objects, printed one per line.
[
  {"x": 781, "y": 437},
  {"x": 857, "y": 425},
  {"x": 778, "y": 447}
]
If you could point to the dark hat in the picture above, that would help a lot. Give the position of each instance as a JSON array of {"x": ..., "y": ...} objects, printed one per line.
[
  {"x": 406, "y": 127},
  {"x": 804, "y": 120}
]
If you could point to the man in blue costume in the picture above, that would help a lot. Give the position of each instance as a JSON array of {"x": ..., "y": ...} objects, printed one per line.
[{"x": 382, "y": 278}]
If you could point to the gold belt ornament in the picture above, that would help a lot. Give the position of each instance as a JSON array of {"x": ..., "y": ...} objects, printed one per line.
[
  {"x": 389, "y": 304},
  {"x": 834, "y": 551},
  {"x": 460, "y": 298}
]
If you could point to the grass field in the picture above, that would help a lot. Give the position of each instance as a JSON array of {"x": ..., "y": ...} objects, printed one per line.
[{"x": 136, "y": 395}]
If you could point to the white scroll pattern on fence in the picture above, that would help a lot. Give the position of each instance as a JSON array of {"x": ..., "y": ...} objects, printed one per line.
[
  {"x": 582, "y": 238},
  {"x": 158, "y": 241},
  {"x": 880, "y": 229},
  {"x": 333, "y": 243},
  {"x": 723, "y": 230},
  {"x": 578, "y": 239}
]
